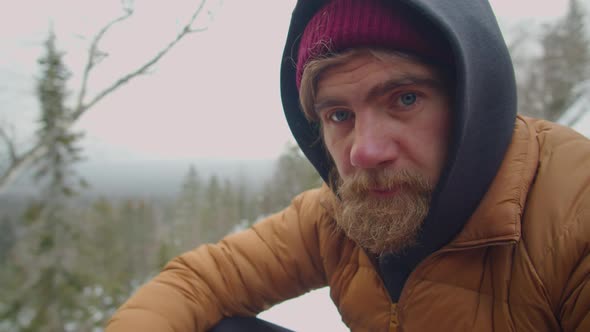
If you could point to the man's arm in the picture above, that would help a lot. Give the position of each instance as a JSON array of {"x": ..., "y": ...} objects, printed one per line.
[
  {"x": 574, "y": 313},
  {"x": 559, "y": 230},
  {"x": 242, "y": 275}
]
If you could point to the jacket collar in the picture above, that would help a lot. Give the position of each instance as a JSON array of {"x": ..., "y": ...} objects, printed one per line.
[{"x": 497, "y": 218}]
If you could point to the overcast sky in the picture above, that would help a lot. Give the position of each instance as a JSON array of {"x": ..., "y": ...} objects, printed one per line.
[{"x": 216, "y": 95}]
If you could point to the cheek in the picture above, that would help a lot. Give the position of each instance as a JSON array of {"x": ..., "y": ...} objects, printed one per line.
[{"x": 339, "y": 152}]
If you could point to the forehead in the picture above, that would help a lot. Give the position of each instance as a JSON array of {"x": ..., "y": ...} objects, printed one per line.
[{"x": 369, "y": 68}]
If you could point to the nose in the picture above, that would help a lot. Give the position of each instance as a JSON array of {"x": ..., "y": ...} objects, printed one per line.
[{"x": 374, "y": 145}]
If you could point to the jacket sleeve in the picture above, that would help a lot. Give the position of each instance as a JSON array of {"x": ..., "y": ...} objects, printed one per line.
[
  {"x": 243, "y": 274},
  {"x": 575, "y": 309},
  {"x": 565, "y": 163}
]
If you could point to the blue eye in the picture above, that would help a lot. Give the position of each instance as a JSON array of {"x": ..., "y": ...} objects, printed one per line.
[
  {"x": 407, "y": 99},
  {"x": 340, "y": 116}
]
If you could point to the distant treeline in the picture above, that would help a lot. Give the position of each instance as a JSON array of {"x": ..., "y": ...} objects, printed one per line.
[{"x": 101, "y": 250}]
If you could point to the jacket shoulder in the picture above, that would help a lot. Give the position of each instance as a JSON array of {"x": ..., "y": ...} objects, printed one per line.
[{"x": 556, "y": 217}]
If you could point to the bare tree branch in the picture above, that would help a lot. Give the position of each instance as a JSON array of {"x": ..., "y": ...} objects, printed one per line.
[
  {"x": 10, "y": 144},
  {"x": 19, "y": 164},
  {"x": 20, "y": 161},
  {"x": 93, "y": 53},
  {"x": 187, "y": 29}
]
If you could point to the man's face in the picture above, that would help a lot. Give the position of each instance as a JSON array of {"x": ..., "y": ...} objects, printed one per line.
[{"x": 386, "y": 124}]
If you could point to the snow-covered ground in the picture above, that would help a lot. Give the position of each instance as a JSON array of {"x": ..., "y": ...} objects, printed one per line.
[
  {"x": 313, "y": 311},
  {"x": 583, "y": 125}
]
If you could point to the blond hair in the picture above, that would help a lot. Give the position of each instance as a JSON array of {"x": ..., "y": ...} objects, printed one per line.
[{"x": 313, "y": 70}]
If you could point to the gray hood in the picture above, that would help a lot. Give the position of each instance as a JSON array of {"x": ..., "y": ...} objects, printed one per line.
[{"x": 483, "y": 119}]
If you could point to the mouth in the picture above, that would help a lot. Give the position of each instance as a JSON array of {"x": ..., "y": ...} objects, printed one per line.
[{"x": 383, "y": 192}]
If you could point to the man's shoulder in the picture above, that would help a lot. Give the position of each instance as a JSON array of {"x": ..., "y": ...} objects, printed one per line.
[
  {"x": 562, "y": 162},
  {"x": 563, "y": 159},
  {"x": 556, "y": 225},
  {"x": 551, "y": 134}
]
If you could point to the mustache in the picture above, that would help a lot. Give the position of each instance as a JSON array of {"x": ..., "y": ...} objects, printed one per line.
[
  {"x": 364, "y": 181},
  {"x": 383, "y": 224}
]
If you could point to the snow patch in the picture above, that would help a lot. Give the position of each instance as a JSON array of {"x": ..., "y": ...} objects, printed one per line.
[
  {"x": 313, "y": 311},
  {"x": 578, "y": 115}
]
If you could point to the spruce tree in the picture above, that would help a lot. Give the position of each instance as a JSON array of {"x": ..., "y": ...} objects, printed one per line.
[
  {"x": 565, "y": 59},
  {"x": 46, "y": 252},
  {"x": 293, "y": 174},
  {"x": 186, "y": 228},
  {"x": 550, "y": 87}
]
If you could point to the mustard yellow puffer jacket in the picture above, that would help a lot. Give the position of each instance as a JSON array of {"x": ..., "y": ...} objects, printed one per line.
[{"x": 521, "y": 262}]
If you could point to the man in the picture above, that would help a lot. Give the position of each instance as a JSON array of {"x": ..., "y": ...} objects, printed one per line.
[{"x": 444, "y": 210}]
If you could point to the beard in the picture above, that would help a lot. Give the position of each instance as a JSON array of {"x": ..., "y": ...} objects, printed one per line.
[{"x": 383, "y": 225}]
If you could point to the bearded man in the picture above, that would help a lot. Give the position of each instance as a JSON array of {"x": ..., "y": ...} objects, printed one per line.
[{"x": 443, "y": 210}]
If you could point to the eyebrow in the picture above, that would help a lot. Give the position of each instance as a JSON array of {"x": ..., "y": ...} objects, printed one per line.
[
  {"x": 328, "y": 103},
  {"x": 382, "y": 89},
  {"x": 394, "y": 83}
]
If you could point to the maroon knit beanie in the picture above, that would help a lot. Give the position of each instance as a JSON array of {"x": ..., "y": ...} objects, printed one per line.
[{"x": 346, "y": 24}]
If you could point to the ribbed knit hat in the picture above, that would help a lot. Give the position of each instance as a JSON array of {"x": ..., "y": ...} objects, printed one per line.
[{"x": 347, "y": 24}]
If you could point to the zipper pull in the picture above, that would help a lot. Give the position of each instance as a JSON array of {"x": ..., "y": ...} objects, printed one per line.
[{"x": 393, "y": 318}]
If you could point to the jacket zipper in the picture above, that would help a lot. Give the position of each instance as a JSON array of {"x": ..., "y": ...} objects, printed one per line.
[{"x": 393, "y": 320}]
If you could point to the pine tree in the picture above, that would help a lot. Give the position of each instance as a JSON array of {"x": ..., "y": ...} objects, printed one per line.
[
  {"x": 293, "y": 174},
  {"x": 62, "y": 150},
  {"x": 229, "y": 208},
  {"x": 191, "y": 193},
  {"x": 137, "y": 227},
  {"x": 549, "y": 88},
  {"x": 211, "y": 212},
  {"x": 245, "y": 202},
  {"x": 7, "y": 238},
  {"x": 46, "y": 251},
  {"x": 566, "y": 59},
  {"x": 186, "y": 231}
]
